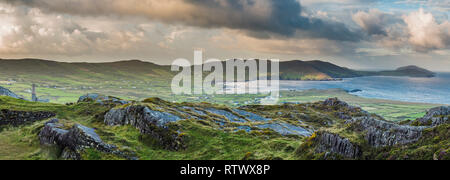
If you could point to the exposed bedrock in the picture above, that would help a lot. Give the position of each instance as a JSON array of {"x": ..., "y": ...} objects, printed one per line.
[
  {"x": 343, "y": 109},
  {"x": 333, "y": 143},
  {"x": 16, "y": 118},
  {"x": 74, "y": 140},
  {"x": 436, "y": 116},
  {"x": 149, "y": 122},
  {"x": 101, "y": 99},
  {"x": 7, "y": 92},
  {"x": 380, "y": 133}
]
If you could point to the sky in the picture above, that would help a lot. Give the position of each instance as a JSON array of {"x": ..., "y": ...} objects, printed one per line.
[{"x": 360, "y": 34}]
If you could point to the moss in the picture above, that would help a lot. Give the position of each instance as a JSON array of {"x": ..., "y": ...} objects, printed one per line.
[{"x": 93, "y": 154}]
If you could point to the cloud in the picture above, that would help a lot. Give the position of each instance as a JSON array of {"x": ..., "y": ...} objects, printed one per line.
[
  {"x": 373, "y": 22},
  {"x": 267, "y": 17},
  {"x": 425, "y": 34},
  {"x": 231, "y": 40},
  {"x": 31, "y": 32}
]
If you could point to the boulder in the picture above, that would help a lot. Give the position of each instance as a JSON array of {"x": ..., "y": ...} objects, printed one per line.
[
  {"x": 16, "y": 118},
  {"x": 149, "y": 122},
  {"x": 74, "y": 140}
]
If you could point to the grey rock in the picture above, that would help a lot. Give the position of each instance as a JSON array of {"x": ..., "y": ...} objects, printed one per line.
[
  {"x": 102, "y": 99},
  {"x": 380, "y": 133},
  {"x": 52, "y": 134},
  {"x": 286, "y": 129},
  {"x": 7, "y": 92},
  {"x": 200, "y": 113},
  {"x": 336, "y": 104},
  {"x": 149, "y": 122},
  {"x": 74, "y": 140},
  {"x": 230, "y": 116},
  {"x": 251, "y": 116},
  {"x": 244, "y": 128},
  {"x": 333, "y": 143},
  {"x": 436, "y": 116},
  {"x": 342, "y": 115}
]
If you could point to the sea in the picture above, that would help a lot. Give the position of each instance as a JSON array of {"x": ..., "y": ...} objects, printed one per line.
[{"x": 434, "y": 90}]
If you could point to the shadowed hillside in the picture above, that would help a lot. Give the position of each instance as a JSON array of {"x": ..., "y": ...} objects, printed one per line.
[{"x": 63, "y": 82}]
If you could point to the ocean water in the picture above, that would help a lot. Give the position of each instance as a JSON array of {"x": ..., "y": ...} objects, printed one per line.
[{"x": 409, "y": 89}]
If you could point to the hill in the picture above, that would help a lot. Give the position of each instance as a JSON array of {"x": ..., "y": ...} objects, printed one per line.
[
  {"x": 314, "y": 70},
  {"x": 412, "y": 71},
  {"x": 63, "y": 82},
  {"x": 104, "y": 127},
  {"x": 38, "y": 70}
]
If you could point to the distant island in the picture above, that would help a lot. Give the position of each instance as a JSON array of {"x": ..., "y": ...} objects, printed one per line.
[
  {"x": 324, "y": 71},
  {"x": 412, "y": 71}
]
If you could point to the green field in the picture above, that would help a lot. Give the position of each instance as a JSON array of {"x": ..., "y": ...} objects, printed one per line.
[
  {"x": 391, "y": 110},
  {"x": 136, "y": 80}
]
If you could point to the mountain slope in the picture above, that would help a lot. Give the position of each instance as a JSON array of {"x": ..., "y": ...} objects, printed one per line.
[
  {"x": 64, "y": 82},
  {"x": 35, "y": 69},
  {"x": 313, "y": 70}
]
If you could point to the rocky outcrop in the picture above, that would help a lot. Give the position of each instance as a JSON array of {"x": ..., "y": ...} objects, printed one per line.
[
  {"x": 333, "y": 143},
  {"x": 335, "y": 102},
  {"x": 343, "y": 109},
  {"x": 16, "y": 118},
  {"x": 7, "y": 92},
  {"x": 436, "y": 116},
  {"x": 149, "y": 122},
  {"x": 102, "y": 99},
  {"x": 286, "y": 129},
  {"x": 380, "y": 133},
  {"x": 74, "y": 140}
]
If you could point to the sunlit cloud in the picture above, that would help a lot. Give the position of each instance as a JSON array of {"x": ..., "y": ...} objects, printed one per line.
[{"x": 160, "y": 31}]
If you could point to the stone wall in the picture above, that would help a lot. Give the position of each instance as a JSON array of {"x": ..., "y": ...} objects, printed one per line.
[{"x": 16, "y": 118}]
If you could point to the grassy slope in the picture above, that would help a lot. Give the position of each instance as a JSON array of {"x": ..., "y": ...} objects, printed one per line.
[
  {"x": 204, "y": 141},
  {"x": 64, "y": 82}
]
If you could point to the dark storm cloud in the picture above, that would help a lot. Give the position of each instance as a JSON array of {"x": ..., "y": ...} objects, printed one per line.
[{"x": 258, "y": 18}]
